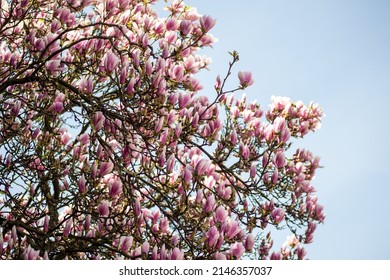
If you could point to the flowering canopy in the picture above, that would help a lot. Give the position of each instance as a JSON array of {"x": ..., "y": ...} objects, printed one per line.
[{"x": 108, "y": 151}]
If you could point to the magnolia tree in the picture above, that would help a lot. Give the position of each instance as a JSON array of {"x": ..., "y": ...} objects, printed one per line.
[{"x": 109, "y": 151}]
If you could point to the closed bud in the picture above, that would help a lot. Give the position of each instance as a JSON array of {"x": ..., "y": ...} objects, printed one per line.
[
  {"x": 46, "y": 223},
  {"x": 275, "y": 176},
  {"x": 252, "y": 170},
  {"x": 301, "y": 253},
  {"x": 187, "y": 174},
  {"x": 68, "y": 227},
  {"x": 87, "y": 222},
  {"x": 81, "y": 183},
  {"x": 170, "y": 163},
  {"x": 233, "y": 137},
  {"x": 137, "y": 207},
  {"x": 249, "y": 242}
]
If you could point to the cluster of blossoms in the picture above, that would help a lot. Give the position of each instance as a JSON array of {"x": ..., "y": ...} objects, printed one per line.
[{"x": 108, "y": 151}]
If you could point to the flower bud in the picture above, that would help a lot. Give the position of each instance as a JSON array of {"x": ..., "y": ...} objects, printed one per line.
[{"x": 249, "y": 242}]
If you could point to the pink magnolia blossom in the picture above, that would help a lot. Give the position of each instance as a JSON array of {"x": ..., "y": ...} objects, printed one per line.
[
  {"x": 54, "y": 66},
  {"x": 245, "y": 79},
  {"x": 233, "y": 137},
  {"x": 137, "y": 207},
  {"x": 111, "y": 61},
  {"x": 275, "y": 177},
  {"x": 177, "y": 254},
  {"x": 98, "y": 120},
  {"x": 212, "y": 236},
  {"x": 46, "y": 223},
  {"x": 125, "y": 243},
  {"x": 276, "y": 256},
  {"x": 232, "y": 229},
  {"x": 244, "y": 151},
  {"x": 36, "y": 164},
  {"x": 36, "y": 132},
  {"x": 220, "y": 214},
  {"x": 301, "y": 253},
  {"x": 16, "y": 108},
  {"x": 187, "y": 175},
  {"x": 145, "y": 247},
  {"x": 280, "y": 159},
  {"x": 163, "y": 253},
  {"x": 292, "y": 241},
  {"x": 206, "y": 23},
  {"x": 177, "y": 73},
  {"x": 269, "y": 133},
  {"x": 184, "y": 99},
  {"x": 82, "y": 184},
  {"x": 104, "y": 208},
  {"x": 105, "y": 168},
  {"x": 279, "y": 124},
  {"x": 57, "y": 107},
  {"x": 40, "y": 44},
  {"x": 172, "y": 24},
  {"x": 87, "y": 222},
  {"x": 164, "y": 136},
  {"x": 218, "y": 83},
  {"x": 209, "y": 204},
  {"x": 115, "y": 187},
  {"x": 278, "y": 215},
  {"x": 285, "y": 135},
  {"x": 68, "y": 227},
  {"x": 202, "y": 166},
  {"x": 86, "y": 85},
  {"x": 31, "y": 254},
  {"x": 185, "y": 27},
  {"x": 171, "y": 163},
  {"x": 253, "y": 170},
  {"x": 219, "y": 256},
  {"x": 249, "y": 242},
  {"x": 237, "y": 250},
  {"x": 164, "y": 225},
  {"x": 155, "y": 253}
]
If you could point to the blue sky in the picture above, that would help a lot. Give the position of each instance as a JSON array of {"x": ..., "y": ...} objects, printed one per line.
[{"x": 337, "y": 53}]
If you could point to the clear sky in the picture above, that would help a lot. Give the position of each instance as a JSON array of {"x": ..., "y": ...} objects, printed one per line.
[{"x": 337, "y": 53}]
